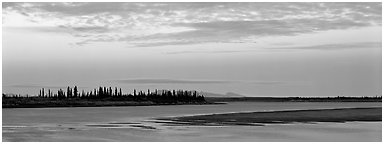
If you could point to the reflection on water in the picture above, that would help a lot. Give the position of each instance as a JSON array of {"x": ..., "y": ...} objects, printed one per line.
[{"x": 136, "y": 124}]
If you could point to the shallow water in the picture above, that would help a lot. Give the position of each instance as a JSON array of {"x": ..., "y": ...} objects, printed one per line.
[{"x": 137, "y": 124}]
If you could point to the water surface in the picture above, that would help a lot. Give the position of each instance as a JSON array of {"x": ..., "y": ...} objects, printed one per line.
[{"x": 136, "y": 124}]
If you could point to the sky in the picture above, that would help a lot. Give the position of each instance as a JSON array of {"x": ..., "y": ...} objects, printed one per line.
[{"x": 253, "y": 49}]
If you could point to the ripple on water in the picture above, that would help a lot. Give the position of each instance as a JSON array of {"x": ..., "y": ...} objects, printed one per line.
[{"x": 122, "y": 125}]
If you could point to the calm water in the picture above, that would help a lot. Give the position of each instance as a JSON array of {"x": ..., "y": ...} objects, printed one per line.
[{"x": 136, "y": 124}]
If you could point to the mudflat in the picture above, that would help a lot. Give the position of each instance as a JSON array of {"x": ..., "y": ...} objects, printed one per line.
[{"x": 279, "y": 117}]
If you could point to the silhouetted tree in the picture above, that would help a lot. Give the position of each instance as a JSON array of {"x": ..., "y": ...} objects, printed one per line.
[
  {"x": 110, "y": 91},
  {"x": 68, "y": 92},
  {"x": 75, "y": 91},
  {"x": 100, "y": 93}
]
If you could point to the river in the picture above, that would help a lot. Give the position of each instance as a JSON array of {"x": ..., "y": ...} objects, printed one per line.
[{"x": 137, "y": 124}]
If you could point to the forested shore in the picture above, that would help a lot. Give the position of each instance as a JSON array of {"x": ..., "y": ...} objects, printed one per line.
[{"x": 102, "y": 96}]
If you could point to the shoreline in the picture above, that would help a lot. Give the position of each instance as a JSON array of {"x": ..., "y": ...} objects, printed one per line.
[
  {"x": 294, "y": 99},
  {"x": 113, "y": 104},
  {"x": 338, "y": 115},
  {"x": 37, "y": 102}
]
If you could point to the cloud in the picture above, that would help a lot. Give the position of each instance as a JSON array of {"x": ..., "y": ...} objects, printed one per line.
[
  {"x": 170, "y": 81},
  {"x": 224, "y": 31},
  {"x": 89, "y": 29},
  {"x": 8, "y": 4},
  {"x": 268, "y": 82},
  {"x": 39, "y": 86},
  {"x": 179, "y": 81},
  {"x": 160, "y": 24},
  {"x": 335, "y": 46},
  {"x": 208, "y": 52}
]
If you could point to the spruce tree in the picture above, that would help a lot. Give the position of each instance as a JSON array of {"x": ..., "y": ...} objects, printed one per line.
[
  {"x": 42, "y": 91},
  {"x": 75, "y": 91}
]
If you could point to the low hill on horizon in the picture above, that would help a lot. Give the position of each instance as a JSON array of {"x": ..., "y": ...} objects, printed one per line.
[{"x": 228, "y": 94}]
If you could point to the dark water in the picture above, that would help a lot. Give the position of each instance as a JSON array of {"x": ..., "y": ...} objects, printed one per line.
[{"x": 137, "y": 124}]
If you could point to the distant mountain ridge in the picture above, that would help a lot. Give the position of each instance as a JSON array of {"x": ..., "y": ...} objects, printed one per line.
[{"x": 228, "y": 94}]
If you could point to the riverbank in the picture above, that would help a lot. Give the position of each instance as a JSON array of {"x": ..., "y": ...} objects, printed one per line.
[
  {"x": 43, "y": 103},
  {"x": 295, "y": 99},
  {"x": 102, "y": 96},
  {"x": 279, "y": 117}
]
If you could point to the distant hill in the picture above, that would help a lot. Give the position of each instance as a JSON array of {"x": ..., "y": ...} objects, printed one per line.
[{"x": 228, "y": 94}]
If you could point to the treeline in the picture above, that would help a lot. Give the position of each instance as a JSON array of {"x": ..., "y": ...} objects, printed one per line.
[{"x": 116, "y": 94}]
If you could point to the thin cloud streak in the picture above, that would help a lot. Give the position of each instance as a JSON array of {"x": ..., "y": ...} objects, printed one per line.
[
  {"x": 340, "y": 46},
  {"x": 39, "y": 86},
  {"x": 362, "y": 45},
  {"x": 183, "y": 81},
  {"x": 170, "y": 81},
  {"x": 207, "y": 52}
]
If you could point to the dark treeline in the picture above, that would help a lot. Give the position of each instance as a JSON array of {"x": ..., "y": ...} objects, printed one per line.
[{"x": 116, "y": 94}]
